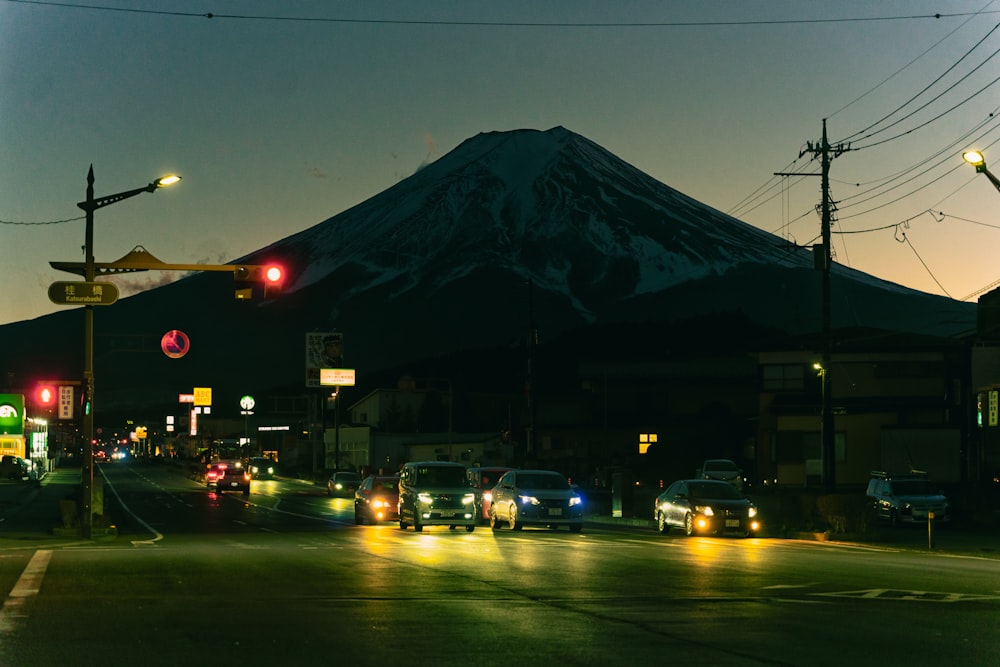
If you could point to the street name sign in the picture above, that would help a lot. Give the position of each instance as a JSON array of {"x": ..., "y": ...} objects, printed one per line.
[{"x": 79, "y": 293}]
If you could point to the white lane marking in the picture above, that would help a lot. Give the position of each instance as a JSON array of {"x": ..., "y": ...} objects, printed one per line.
[
  {"x": 27, "y": 586},
  {"x": 157, "y": 534},
  {"x": 909, "y": 596}
]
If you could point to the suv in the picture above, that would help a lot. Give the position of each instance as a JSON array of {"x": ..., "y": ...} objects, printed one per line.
[
  {"x": 436, "y": 493},
  {"x": 906, "y": 498}
]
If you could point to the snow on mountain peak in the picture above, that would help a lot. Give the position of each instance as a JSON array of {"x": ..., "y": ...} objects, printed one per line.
[{"x": 551, "y": 206}]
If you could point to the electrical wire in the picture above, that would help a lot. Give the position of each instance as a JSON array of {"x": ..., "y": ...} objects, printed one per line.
[
  {"x": 506, "y": 24},
  {"x": 855, "y": 137},
  {"x": 907, "y": 65}
]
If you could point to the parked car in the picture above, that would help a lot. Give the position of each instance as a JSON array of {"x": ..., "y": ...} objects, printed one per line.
[
  {"x": 233, "y": 478},
  {"x": 906, "y": 498},
  {"x": 14, "y": 467},
  {"x": 377, "y": 499},
  {"x": 537, "y": 498},
  {"x": 262, "y": 468},
  {"x": 483, "y": 479},
  {"x": 705, "y": 506},
  {"x": 723, "y": 470},
  {"x": 436, "y": 493},
  {"x": 343, "y": 484}
]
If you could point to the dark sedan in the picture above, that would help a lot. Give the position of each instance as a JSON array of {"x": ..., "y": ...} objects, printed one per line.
[
  {"x": 705, "y": 507},
  {"x": 377, "y": 499}
]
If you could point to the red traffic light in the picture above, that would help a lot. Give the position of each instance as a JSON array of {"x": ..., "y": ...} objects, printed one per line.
[
  {"x": 273, "y": 274},
  {"x": 45, "y": 395}
]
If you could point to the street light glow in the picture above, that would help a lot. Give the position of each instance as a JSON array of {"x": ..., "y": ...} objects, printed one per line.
[
  {"x": 164, "y": 181},
  {"x": 975, "y": 158}
]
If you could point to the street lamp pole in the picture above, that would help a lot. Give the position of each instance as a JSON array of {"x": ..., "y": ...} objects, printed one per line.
[
  {"x": 89, "y": 205},
  {"x": 976, "y": 159}
]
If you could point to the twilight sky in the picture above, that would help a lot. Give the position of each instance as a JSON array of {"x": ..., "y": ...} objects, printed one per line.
[{"x": 281, "y": 114}]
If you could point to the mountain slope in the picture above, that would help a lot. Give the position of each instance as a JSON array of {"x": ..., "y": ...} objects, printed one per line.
[{"x": 509, "y": 231}]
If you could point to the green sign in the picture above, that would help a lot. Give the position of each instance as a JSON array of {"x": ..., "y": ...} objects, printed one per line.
[
  {"x": 11, "y": 414},
  {"x": 79, "y": 293}
]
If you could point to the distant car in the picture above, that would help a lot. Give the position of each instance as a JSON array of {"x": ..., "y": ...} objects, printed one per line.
[
  {"x": 262, "y": 468},
  {"x": 233, "y": 479},
  {"x": 377, "y": 499},
  {"x": 483, "y": 479},
  {"x": 906, "y": 498},
  {"x": 535, "y": 498},
  {"x": 705, "y": 506},
  {"x": 343, "y": 484},
  {"x": 214, "y": 473},
  {"x": 723, "y": 470},
  {"x": 14, "y": 467}
]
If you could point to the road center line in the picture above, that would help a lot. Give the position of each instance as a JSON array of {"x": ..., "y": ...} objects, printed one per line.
[{"x": 27, "y": 586}]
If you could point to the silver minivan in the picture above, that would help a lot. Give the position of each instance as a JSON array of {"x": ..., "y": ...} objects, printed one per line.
[{"x": 436, "y": 493}]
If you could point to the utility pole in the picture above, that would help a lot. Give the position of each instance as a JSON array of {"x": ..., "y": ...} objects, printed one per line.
[{"x": 823, "y": 260}]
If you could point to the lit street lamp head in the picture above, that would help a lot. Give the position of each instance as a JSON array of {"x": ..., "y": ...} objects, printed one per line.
[
  {"x": 164, "y": 181},
  {"x": 976, "y": 159}
]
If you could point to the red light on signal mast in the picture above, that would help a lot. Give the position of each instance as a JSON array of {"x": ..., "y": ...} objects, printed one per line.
[
  {"x": 273, "y": 277},
  {"x": 46, "y": 395},
  {"x": 273, "y": 274}
]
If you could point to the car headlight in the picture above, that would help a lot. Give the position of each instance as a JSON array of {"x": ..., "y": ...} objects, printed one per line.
[
  {"x": 424, "y": 497},
  {"x": 529, "y": 500},
  {"x": 575, "y": 500},
  {"x": 752, "y": 511},
  {"x": 469, "y": 499},
  {"x": 487, "y": 496},
  {"x": 704, "y": 509}
]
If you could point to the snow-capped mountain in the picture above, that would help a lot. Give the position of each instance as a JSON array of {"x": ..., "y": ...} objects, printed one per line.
[
  {"x": 550, "y": 206},
  {"x": 508, "y": 232}
]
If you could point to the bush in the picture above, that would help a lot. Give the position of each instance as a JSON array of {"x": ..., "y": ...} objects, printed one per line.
[{"x": 844, "y": 513}]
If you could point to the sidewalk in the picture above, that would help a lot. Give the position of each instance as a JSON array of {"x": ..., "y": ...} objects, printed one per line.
[{"x": 29, "y": 511}]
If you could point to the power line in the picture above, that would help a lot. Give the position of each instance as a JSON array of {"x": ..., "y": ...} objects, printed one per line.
[
  {"x": 928, "y": 87},
  {"x": 907, "y": 65},
  {"x": 502, "y": 24},
  {"x": 47, "y": 222}
]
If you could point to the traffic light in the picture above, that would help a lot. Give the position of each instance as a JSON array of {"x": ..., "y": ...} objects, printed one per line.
[
  {"x": 46, "y": 396},
  {"x": 251, "y": 277},
  {"x": 274, "y": 276}
]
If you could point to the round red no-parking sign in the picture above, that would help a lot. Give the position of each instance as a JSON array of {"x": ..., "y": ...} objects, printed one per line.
[{"x": 175, "y": 344}]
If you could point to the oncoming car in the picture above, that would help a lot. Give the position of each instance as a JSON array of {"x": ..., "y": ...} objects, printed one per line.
[
  {"x": 436, "y": 493},
  {"x": 343, "y": 484},
  {"x": 705, "y": 507},
  {"x": 262, "y": 468},
  {"x": 537, "y": 498},
  {"x": 377, "y": 499},
  {"x": 483, "y": 479}
]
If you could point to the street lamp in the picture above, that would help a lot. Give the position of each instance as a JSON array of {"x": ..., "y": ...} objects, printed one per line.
[
  {"x": 976, "y": 159},
  {"x": 89, "y": 205}
]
